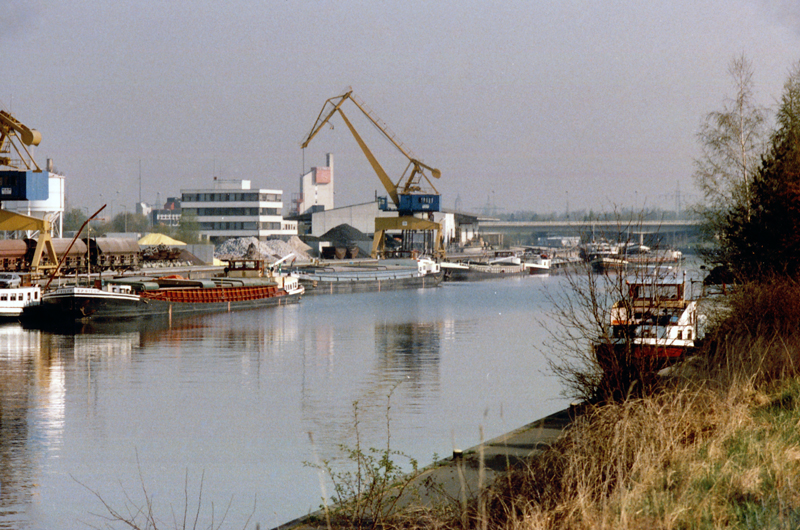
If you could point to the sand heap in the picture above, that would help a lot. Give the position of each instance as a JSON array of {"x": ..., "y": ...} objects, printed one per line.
[{"x": 272, "y": 250}]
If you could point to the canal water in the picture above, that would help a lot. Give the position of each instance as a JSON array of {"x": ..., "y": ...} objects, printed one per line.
[{"x": 228, "y": 410}]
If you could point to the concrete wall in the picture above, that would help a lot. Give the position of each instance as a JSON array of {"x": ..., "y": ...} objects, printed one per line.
[
  {"x": 204, "y": 252},
  {"x": 360, "y": 216}
]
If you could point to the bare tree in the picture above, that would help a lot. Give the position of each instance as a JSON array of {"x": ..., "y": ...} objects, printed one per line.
[
  {"x": 593, "y": 361},
  {"x": 733, "y": 141}
]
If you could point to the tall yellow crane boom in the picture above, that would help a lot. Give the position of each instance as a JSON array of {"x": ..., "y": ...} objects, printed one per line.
[
  {"x": 406, "y": 193},
  {"x": 404, "y": 185}
]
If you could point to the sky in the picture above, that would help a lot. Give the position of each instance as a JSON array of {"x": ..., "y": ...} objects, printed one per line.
[{"x": 542, "y": 105}]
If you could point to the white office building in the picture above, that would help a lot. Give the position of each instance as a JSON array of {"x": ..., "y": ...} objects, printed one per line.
[{"x": 231, "y": 209}]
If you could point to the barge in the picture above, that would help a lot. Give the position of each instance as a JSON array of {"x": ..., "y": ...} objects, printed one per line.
[
  {"x": 360, "y": 279},
  {"x": 245, "y": 286}
]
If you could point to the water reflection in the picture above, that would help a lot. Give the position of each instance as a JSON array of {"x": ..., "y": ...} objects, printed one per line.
[
  {"x": 236, "y": 394},
  {"x": 29, "y": 380},
  {"x": 148, "y": 331},
  {"x": 35, "y": 364},
  {"x": 410, "y": 352}
]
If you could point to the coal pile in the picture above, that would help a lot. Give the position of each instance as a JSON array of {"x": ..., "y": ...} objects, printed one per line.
[{"x": 343, "y": 235}]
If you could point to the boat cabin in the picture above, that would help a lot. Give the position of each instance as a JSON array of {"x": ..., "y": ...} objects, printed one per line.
[
  {"x": 246, "y": 268},
  {"x": 657, "y": 318}
]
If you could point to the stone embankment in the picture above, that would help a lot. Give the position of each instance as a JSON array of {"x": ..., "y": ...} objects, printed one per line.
[{"x": 465, "y": 473}]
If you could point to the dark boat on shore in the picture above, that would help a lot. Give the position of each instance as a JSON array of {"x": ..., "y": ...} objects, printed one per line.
[
  {"x": 361, "y": 279},
  {"x": 246, "y": 285}
]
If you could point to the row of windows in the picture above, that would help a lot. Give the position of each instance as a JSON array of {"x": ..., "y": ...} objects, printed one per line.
[
  {"x": 231, "y": 197},
  {"x": 13, "y": 296},
  {"x": 232, "y": 225},
  {"x": 238, "y": 226},
  {"x": 208, "y": 212}
]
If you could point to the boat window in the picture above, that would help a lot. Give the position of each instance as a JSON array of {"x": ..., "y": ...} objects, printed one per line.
[
  {"x": 13, "y": 297},
  {"x": 4, "y": 297},
  {"x": 657, "y": 291}
]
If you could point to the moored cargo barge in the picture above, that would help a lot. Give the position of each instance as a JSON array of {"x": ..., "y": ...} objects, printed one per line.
[
  {"x": 360, "y": 279},
  {"x": 130, "y": 297}
]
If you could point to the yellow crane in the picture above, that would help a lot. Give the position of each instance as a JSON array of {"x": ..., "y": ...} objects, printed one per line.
[
  {"x": 14, "y": 134},
  {"x": 409, "y": 194},
  {"x": 15, "y": 174}
]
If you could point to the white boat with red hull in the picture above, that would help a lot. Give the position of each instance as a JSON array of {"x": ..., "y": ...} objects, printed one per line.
[{"x": 657, "y": 320}]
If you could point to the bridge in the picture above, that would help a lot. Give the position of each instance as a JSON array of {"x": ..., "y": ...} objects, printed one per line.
[{"x": 677, "y": 233}]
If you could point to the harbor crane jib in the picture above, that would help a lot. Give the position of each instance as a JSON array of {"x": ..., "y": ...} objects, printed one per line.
[
  {"x": 14, "y": 135},
  {"x": 411, "y": 194},
  {"x": 22, "y": 179}
]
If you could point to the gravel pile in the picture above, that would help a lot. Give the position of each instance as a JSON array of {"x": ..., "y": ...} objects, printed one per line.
[{"x": 251, "y": 247}]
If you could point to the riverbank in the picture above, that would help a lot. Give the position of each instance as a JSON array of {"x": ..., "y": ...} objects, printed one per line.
[
  {"x": 462, "y": 476},
  {"x": 685, "y": 458},
  {"x": 713, "y": 444}
]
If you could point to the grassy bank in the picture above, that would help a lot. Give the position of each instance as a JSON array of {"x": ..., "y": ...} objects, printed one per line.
[
  {"x": 687, "y": 458},
  {"x": 714, "y": 445},
  {"x": 717, "y": 445}
]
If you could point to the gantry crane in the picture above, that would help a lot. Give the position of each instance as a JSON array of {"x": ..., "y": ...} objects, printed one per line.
[
  {"x": 19, "y": 176},
  {"x": 409, "y": 194}
]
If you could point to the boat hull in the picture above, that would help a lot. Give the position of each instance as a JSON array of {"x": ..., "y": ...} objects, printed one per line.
[
  {"x": 85, "y": 304},
  {"x": 536, "y": 270},
  {"x": 478, "y": 272},
  {"x": 342, "y": 283},
  {"x": 619, "y": 264}
]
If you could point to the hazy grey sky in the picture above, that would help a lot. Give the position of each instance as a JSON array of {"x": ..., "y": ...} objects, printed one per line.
[{"x": 526, "y": 103}]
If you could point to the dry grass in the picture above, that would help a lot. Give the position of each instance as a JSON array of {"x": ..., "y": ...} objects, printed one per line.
[{"x": 717, "y": 447}]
